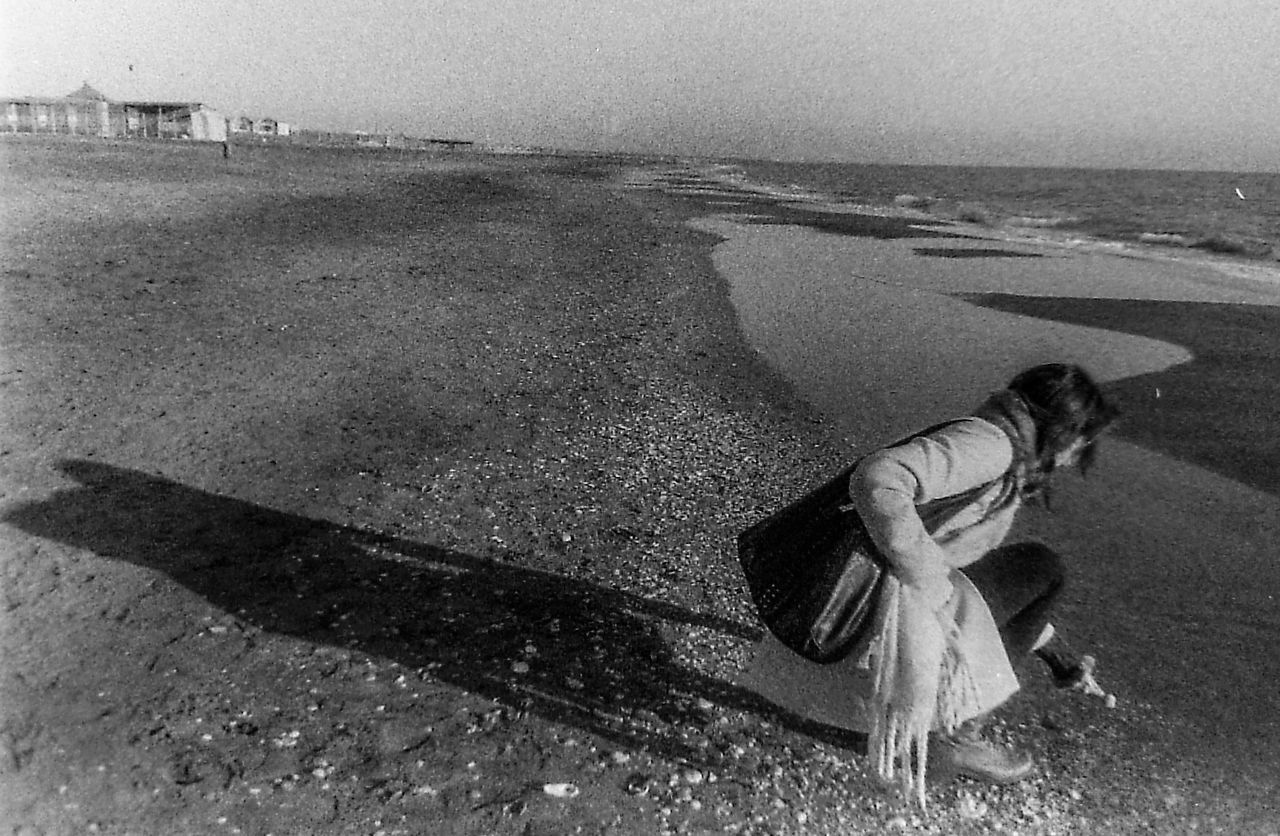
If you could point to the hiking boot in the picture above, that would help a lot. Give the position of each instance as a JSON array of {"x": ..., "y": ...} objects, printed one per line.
[{"x": 983, "y": 760}]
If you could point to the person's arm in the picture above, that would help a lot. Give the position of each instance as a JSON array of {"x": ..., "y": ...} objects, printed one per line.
[{"x": 887, "y": 486}]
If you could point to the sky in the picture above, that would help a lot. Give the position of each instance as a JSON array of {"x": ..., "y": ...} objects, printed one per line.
[{"x": 1120, "y": 83}]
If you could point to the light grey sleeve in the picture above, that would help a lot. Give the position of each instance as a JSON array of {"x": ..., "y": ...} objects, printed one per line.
[{"x": 887, "y": 486}]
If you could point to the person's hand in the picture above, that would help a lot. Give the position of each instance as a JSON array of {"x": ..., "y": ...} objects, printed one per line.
[{"x": 1086, "y": 684}]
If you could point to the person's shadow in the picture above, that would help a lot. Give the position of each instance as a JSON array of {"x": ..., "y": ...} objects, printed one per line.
[{"x": 598, "y": 660}]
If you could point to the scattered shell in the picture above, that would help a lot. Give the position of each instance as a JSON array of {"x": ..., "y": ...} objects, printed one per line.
[
  {"x": 972, "y": 808},
  {"x": 561, "y": 790},
  {"x": 638, "y": 783}
]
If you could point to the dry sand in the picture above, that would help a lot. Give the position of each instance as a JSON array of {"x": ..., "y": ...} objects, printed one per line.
[{"x": 359, "y": 492}]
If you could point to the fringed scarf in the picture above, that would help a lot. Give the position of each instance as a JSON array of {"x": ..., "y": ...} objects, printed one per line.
[{"x": 921, "y": 680}]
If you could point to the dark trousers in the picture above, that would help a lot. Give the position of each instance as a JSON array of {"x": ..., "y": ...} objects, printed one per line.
[{"x": 1020, "y": 583}]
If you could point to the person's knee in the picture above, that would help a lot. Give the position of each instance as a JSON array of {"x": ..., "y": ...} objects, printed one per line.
[{"x": 1046, "y": 564}]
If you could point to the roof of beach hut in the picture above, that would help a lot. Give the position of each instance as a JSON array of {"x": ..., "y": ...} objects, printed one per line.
[{"x": 87, "y": 92}]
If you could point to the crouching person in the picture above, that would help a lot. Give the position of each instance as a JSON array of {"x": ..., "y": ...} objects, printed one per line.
[
  {"x": 957, "y": 603},
  {"x": 961, "y": 603}
]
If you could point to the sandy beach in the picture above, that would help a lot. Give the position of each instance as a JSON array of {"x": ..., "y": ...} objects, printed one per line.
[
  {"x": 1172, "y": 540},
  {"x": 375, "y": 492}
]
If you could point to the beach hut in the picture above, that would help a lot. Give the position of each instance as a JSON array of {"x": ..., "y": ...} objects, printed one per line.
[
  {"x": 87, "y": 112},
  {"x": 174, "y": 120}
]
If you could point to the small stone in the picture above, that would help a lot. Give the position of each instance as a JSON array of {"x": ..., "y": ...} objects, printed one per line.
[
  {"x": 395, "y": 736},
  {"x": 1110, "y": 701}
]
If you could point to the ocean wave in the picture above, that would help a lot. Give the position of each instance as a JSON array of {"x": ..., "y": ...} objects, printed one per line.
[
  {"x": 973, "y": 212},
  {"x": 1218, "y": 243},
  {"x": 1049, "y": 222},
  {"x": 1155, "y": 221},
  {"x": 912, "y": 201}
]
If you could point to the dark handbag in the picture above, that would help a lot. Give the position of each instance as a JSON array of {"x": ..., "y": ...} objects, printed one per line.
[{"x": 814, "y": 573}]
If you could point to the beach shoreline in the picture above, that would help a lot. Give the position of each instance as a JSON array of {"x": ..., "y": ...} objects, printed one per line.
[
  {"x": 719, "y": 181},
  {"x": 359, "y": 492}
]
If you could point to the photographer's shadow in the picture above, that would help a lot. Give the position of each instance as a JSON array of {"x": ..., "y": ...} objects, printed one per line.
[{"x": 567, "y": 650}]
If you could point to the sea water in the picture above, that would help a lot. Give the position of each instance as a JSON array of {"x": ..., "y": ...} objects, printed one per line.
[{"x": 1234, "y": 215}]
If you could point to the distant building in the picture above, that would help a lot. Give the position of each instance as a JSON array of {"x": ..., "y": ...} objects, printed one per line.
[
  {"x": 258, "y": 127},
  {"x": 86, "y": 112}
]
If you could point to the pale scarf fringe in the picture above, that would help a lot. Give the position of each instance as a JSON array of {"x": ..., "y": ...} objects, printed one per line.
[{"x": 914, "y": 696}]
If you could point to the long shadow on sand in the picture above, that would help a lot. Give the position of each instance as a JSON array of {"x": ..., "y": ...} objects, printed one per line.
[
  {"x": 1216, "y": 411},
  {"x": 601, "y": 665}
]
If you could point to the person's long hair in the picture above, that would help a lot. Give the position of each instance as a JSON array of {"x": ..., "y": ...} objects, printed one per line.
[{"x": 1065, "y": 404}]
